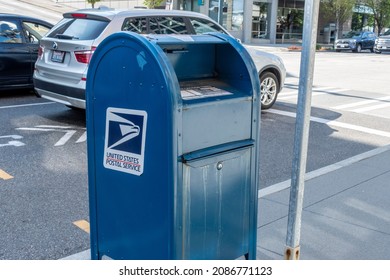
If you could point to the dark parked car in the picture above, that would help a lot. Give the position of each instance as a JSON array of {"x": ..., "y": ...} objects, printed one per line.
[
  {"x": 382, "y": 44},
  {"x": 356, "y": 41},
  {"x": 19, "y": 44}
]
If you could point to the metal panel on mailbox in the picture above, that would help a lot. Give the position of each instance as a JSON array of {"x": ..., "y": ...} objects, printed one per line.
[
  {"x": 216, "y": 205},
  {"x": 173, "y": 129}
]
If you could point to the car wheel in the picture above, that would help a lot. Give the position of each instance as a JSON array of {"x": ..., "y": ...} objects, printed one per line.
[
  {"x": 376, "y": 51},
  {"x": 372, "y": 50},
  {"x": 269, "y": 87},
  {"x": 338, "y": 50},
  {"x": 358, "y": 48}
]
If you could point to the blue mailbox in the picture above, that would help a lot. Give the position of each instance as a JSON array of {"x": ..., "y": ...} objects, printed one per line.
[{"x": 173, "y": 145}]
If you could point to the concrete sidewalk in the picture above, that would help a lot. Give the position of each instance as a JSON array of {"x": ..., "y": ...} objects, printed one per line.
[{"x": 346, "y": 213}]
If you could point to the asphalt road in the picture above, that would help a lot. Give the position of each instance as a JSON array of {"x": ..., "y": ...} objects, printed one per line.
[
  {"x": 42, "y": 146},
  {"x": 350, "y": 112}
]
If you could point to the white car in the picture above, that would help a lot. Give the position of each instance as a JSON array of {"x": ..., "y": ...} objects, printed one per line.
[
  {"x": 382, "y": 43},
  {"x": 64, "y": 53}
]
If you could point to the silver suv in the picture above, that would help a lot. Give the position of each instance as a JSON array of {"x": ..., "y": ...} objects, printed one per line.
[
  {"x": 64, "y": 53},
  {"x": 382, "y": 44}
]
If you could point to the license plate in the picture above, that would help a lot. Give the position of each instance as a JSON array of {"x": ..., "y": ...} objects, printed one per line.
[{"x": 58, "y": 56}]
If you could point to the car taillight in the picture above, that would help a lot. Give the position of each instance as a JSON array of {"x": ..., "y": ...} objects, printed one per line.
[
  {"x": 84, "y": 56},
  {"x": 79, "y": 15},
  {"x": 40, "y": 51}
]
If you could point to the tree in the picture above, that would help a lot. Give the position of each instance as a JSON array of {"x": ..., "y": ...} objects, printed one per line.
[
  {"x": 361, "y": 18},
  {"x": 381, "y": 11},
  {"x": 338, "y": 11},
  {"x": 92, "y": 2},
  {"x": 152, "y": 3},
  {"x": 293, "y": 19}
]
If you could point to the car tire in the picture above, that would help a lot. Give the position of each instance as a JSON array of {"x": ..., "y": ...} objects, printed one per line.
[
  {"x": 358, "y": 48},
  {"x": 338, "y": 50},
  {"x": 378, "y": 52},
  {"x": 372, "y": 50},
  {"x": 269, "y": 89}
]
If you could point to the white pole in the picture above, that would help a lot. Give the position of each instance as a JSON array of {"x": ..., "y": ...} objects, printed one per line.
[{"x": 310, "y": 24}]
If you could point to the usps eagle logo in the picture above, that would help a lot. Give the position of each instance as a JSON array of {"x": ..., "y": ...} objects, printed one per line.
[{"x": 125, "y": 140}]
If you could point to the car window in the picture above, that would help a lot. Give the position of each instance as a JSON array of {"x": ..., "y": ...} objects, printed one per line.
[
  {"x": 9, "y": 32},
  {"x": 34, "y": 31},
  {"x": 78, "y": 29},
  {"x": 138, "y": 25},
  {"x": 167, "y": 25},
  {"x": 203, "y": 26},
  {"x": 352, "y": 34}
]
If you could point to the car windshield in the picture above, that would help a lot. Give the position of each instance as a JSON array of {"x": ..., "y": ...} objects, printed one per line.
[
  {"x": 386, "y": 33},
  {"x": 352, "y": 34}
]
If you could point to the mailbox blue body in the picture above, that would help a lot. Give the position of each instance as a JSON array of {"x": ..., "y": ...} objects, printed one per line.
[{"x": 173, "y": 148}]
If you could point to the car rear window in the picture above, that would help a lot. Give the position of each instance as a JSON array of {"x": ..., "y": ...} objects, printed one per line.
[
  {"x": 138, "y": 25},
  {"x": 167, "y": 25},
  {"x": 78, "y": 29},
  {"x": 155, "y": 25},
  {"x": 202, "y": 26}
]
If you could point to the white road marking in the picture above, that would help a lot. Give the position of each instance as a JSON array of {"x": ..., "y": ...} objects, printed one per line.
[
  {"x": 323, "y": 89},
  {"x": 82, "y": 138},
  {"x": 65, "y": 138},
  {"x": 322, "y": 171},
  {"x": 335, "y": 123},
  {"x": 359, "y": 103},
  {"x": 13, "y": 142},
  {"x": 25, "y": 105},
  {"x": 285, "y": 95},
  {"x": 296, "y": 95},
  {"x": 371, "y": 108},
  {"x": 68, "y": 130}
]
